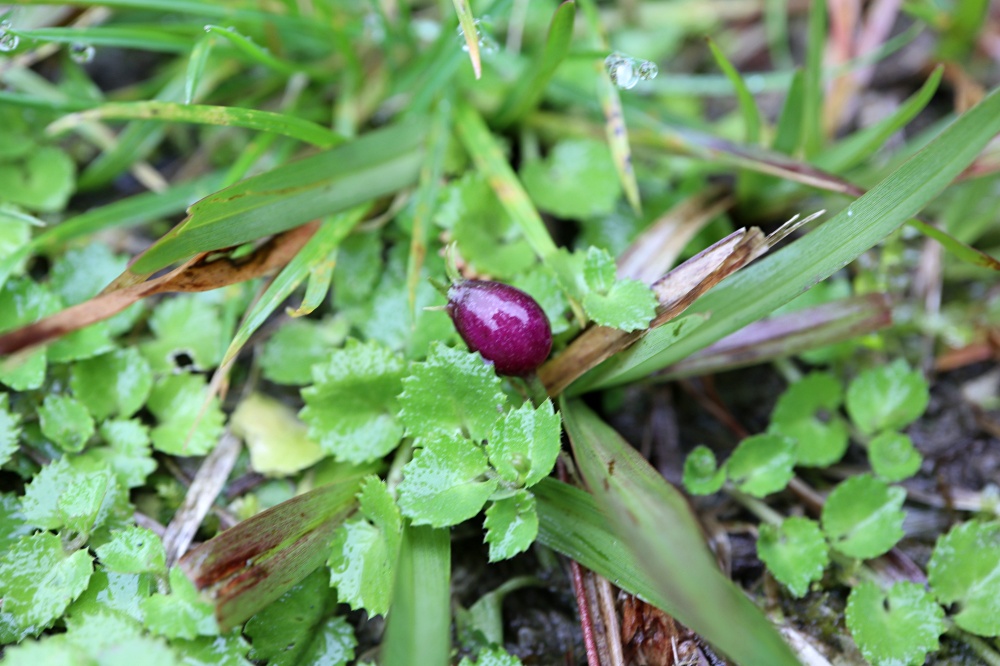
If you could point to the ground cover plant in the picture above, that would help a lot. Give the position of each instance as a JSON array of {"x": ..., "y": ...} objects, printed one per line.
[{"x": 495, "y": 334}]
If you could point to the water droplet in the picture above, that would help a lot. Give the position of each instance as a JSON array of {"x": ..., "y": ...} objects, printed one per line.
[
  {"x": 623, "y": 70},
  {"x": 850, "y": 212},
  {"x": 648, "y": 70},
  {"x": 208, "y": 28},
  {"x": 81, "y": 53},
  {"x": 8, "y": 42},
  {"x": 487, "y": 43}
]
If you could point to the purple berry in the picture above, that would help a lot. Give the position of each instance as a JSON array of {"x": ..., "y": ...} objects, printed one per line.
[{"x": 504, "y": 324}]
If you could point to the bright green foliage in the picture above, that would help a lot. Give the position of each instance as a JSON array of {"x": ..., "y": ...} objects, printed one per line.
[
  {"x": 50, "y": 652},
  {"x": 965, "y": 570},
  {"x": 364, "y": 550},
  {"x": 182, "y": 613},
  {"x": 116, "y": 592},
  {"x": 893, "y": 457},
  {"x": 807, "y": 413},
  {"x": 525, "y": 443},
  {"x": 23, "y": 301},
  {"x": 127, "y": 452},
  {"x": 77, "y": 495},
  {"x": 187, "y": 324},
  {"x": 351, "y": 408},
  {"x": 795, "y": 552},
  {"x": 359, "y": 265},
  {"x": 625, "y": 304},
  {"x": 894, "y": 628},
  {"x": 452, "y": 390},
  {"x": 887, "y": 397},
  {"x": 14, "y": 234},
  {"x": 541, "y": 284},
  {"x": 702, "y": 474},
  {"x": 228, "y": 650},
  {"x": 38, "y": 580},
  {"x": 862, "y": 517},
  {"x": 511, "y": 525},
  {"x": 116, "y": 383},
  {"x": 187, "y": 426},
  {"x": 578, "y": 179},
  {"x": 83, "y": 272},
  {"x": 12, "y": 523},
  {"x": 444, "y": 484},
  {"x": 486, "y": 235},
  {"x": 10, "y": 430},
  {"x": 84, "y": 343},
  {"x": 297, "y": 346},
  {"x": 40, "y": 180},
  {"x": 762, "y": 464},
  {"x": 66, "y": 422},
  {"x": 133, "y": 550},
  {"x": 494, "y": 656},
  {"x": 278, "y": 442},
  {"x": 92, "y": 633}
]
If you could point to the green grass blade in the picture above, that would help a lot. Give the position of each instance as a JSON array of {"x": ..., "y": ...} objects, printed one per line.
[
  {"x": 418, "y": 629},
  {"x": 158, "y": 39},
  {"x": 374, "y": 165},
  {"x": 778, "y": 278},
  {"x": 654, "y": 522},
  {"x": 616, "y": 133},
  {"x": 789, "y": 127},
  {"x": 748, "y": 107},
  {"x": 812, "y": 88},
  {"x": 196, "y": 67},
  {"x": 492, "y": 163},
  {"x": 528, "y": 90},
  {"x": 261, "y": 56},
  {"x": 956, "y": 247},
  {"x": 470, "y": 34},
  {"x": 201, "y": 114}
]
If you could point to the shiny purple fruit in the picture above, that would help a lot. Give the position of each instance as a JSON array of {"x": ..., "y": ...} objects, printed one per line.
[{"x": 504, "y": 324}]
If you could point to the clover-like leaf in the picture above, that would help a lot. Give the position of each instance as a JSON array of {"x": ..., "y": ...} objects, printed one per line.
[
  {"x": 133, "y": 550},
  {"x": 862, "y": 517},
  {"x": 79, "y": 495},
  {"x": 188, "y": 325},
  {"x": 66, "y": 422},
  {"x": 182, "y": 613},
  {"x": 81, "y": 273},
  {"x": 297, "y": 346},
  {"x": 762, "y": 464},
  {"x": 445, "y": 482},
  {"x": 524, "y": 444},
  {"x": 625, "y": 304},
  {"x": 807, "y": 412},
  {"x": 42, "y": 180},
  {"x": 577, "y": 179},
  {"x": 10, "y": 430},
  {"x": 893, "y": 456},
  {"x": 511, "y": 525},
  {"x": 127, "y": 451},
  {"x": 352, "y": 408},
  {"x": 39, "y": 579},
  {"x": 121, "y": 594},
  {"x": 702, "y": 474},
  {"x": 364, "y": 550},
  {"x": 453, "y": 390},
  {"x": 187, "y": 426},
  {"x": 23, "y": 301},
  {"x": 795, "y": 552},
  {"x": 115, "y": 383},
  {"x": 964, "y": 570},
  {"x": 887, "y": 397},
  {"x": 894, "y": 628}
]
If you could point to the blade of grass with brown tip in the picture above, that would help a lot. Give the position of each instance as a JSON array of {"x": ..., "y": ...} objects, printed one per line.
[{"x": 470, "y": 33}]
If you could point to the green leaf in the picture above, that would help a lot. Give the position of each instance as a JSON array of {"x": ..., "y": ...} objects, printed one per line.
[
  {"x": 51, "y": 652},
  {"x": 182, "y": 613},
  {"x": 626, "y": 304},
  {"x": 299, "y": 628},
  {"x": 493, "y": 656},
  {"x": 893, "y": 457},
  {"x": 83, "y": 343},
  {"x": 351, "y": 409},
  {"x": 133, "y": 550},
  {"x": 38, "y": 579},
  {"x": 93, "y": 633},
  {"x": 748, "y": 107},
  {"x": 82, "y": 273},
  {"x": 186, "y": 324},
  {"x": 10, "y": 430},
  {"x": 127, "y": 452},
  {"x": 795, "y": 552},
  {"x": 702, "y": 474},
  {"x": 290, "y": 354},
  {"x": 807, "y": 413},
  {"x": 117, "y": 383},
  {"x": 524, "y": 444},
  {"x": 109, "y": 591},
  {"x": 187, "y": 427},
  {"x": 862, "y": 517},
  {"x": 894, "y": 628},
  {"x": 444, "y": 484},
  {"x": 511, "y": 525},
  {"x": 75, "y": 494},
  {"x": 277, "y": 440},
  {"x": 577, "y": 180},
  {"x": 451, "y": 390},
  {"x": 541, "y": 284},
  {"x": 228, "y": 650},
  {"x": 364, "y": 551},
  {"x": 42, "y": 180},
  {"x": 887, "y": 397},
  {"x": 964, "y": 569},
  {"x": 12, "y": 522},
  {"x": 762, "y": 464},
  {"x": 23, "y": 301}
]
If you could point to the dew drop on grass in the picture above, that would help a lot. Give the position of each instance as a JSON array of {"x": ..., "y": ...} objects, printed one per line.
[
  {"x": 487, "y": 43},
  {"x": 8, "y": 41},
  {"x": 81, "y": 53},
  {"x": 626, "y": 71},
  {"x": 850, "y": 212}
]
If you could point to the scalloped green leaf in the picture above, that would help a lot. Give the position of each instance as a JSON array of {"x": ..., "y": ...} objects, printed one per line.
[
  {"x": 702, "y": 474},
  {"x": 187, "y": 427},
  {"x": 862, "y": 517},
  {"x": 190, "y": 325},
  {"x": 445, "y": 483},
  {"x": 23, "y": 301},
  {"x": 227, "y": 650},
  {"x": 351, "y": 409},
  {"x": 10, "y": 430},
  {"x": 81, "y": 273},
  {"x": 66, "y": 422},
  {"x": 577, "y": 179},
  {"x": 893, "y": 456},
  {"x": 795, "y": 552},
  {"x": 182, "y": 613},
  {"x": 77, "y": 495},
  {"x": 894, "y": 628},
  {"x": 116, "y": 383},
  {"x": 41, "y": 180},
  {"x": 964, "y": 570},
  {"x": 887, "y": 397},
  {"x": 511, "y": 525},
  {"x": 290, "y": 354},
  {"x": 127, "y": 451},
  {"x": 762, "y": 464},
  {"x": 492, "y": 656},
  {"x": 524, "y": 444},
  {"x": 807, "y": 412},
  {"x": 115, "y": 592},
  {"x": 625, "y": 304},
  {"x": 452, "y": 391},
  {"x": 133, "y": 550}
]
